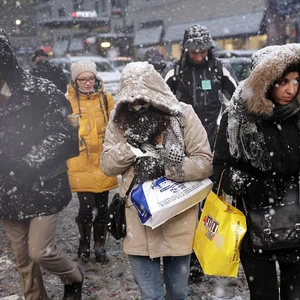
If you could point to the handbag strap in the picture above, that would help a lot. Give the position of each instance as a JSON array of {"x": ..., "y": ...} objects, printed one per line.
[
  {"x": 220, "y": 181},
  {"x": 130, "y": 187}
]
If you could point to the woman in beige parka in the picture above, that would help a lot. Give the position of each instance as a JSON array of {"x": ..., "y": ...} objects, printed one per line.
[
  {"x": 92, "y": 108},
  {"x": 148, "y": 116}
]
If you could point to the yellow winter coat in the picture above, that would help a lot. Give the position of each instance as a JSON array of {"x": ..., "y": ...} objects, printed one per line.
[{"x": 84, "y": 171}]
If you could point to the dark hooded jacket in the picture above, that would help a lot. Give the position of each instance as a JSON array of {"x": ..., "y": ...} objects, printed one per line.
[
  {"x": 34, "y": 134},
  {"x": 258, "y": 142},
  {"x": 201, "y": 85},
  {"x": 51, "y": 72}
]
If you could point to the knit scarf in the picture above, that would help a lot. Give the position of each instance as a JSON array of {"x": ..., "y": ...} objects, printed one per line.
[{"x": 246, "y": 141}]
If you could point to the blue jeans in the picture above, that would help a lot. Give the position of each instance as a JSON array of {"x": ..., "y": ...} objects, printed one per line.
[{"x": 147, "y": 274}]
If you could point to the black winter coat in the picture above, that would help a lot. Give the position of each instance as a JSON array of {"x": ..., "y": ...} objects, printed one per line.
[
  {"x": 34, "y": 131},
  {"x": 203, "y": 87},
  {"x": 282, "y": 140},
  {"x": 51, "y": 72}
]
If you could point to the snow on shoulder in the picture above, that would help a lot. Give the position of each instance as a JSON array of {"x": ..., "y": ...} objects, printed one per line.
[{"x": 139, "y": 80}]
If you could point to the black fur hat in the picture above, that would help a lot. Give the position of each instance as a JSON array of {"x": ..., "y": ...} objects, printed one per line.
[{"x": 197, "y": 38}]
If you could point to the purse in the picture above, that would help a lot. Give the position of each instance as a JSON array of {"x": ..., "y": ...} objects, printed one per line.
[
  {"x": 116, "y": 219},
  {"x": 274, "y": 227}
]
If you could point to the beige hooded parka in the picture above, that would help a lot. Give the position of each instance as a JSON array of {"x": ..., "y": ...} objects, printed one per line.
[{"x": 139, "y": 80}]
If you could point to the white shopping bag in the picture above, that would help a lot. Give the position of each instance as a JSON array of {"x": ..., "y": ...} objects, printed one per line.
[{"x": 161, "y": 199}]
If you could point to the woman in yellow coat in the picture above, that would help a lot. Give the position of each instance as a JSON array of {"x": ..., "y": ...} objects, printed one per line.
[{"x": 91, "y": 105}]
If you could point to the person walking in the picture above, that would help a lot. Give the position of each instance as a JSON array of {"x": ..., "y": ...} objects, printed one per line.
[
  {"x": 34, "y": 187},
  {"x": 148, "y": 116},
  {"x": 200, "y": 79},
  {"x": 257, "y": 150},
  {"x": 92, "y": 105},
  {"x": 154, "y": 57},
  {"x": 43, "y": 68}
]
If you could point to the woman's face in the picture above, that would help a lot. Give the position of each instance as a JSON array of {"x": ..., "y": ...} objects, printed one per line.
[
  {"x": 86, "y": 81},
  {"x": 286, "y": 89}
]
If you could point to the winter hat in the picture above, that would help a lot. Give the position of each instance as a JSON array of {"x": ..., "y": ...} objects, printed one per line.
[
  {"x": 197, "y": 38},
  {"x": 82, "y": 66},
  {"x": 38, "y": 53},
  {"x": 153, "y": 57}
]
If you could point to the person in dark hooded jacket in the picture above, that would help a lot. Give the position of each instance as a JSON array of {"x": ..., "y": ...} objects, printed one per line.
[
  {"x": 257, "y": 150},
  {"x": 154, "y": 57},
  {"x": 34, "y": 145},
  {"x": 200, "y": 79},
  {"x": 43, "y": 68}
]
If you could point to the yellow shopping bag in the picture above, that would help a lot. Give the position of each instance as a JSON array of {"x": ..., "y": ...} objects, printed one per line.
[{"x": 218, "y": 237}]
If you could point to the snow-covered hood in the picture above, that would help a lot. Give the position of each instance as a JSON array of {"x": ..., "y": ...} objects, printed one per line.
[
  {"x": 268, "y": 65},
  {"x": 13, "y": 74},
  {"x": 139, "y": 80}
]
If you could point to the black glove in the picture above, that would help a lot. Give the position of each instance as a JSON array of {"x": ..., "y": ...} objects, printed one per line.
[
  {"x": 22, "y": 173},
  {"x": 16, "y": 169},
  {"x": 7, "y": 163},
  {"x": 142, "y": 126},
  {"x": 262, "y": 192},
  {"x": 148, "y": 168}
]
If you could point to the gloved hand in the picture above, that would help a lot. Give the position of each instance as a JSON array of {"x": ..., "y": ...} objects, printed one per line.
[
  {"x": 148, "y": 168},
  {"x": 22, "y": 173},
  {"x": 16, "y": 169},
  {"x": 262, "y": 192},
  {"x": 7, "y": 163}
]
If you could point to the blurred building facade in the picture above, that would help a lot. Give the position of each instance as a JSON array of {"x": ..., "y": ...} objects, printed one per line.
[
  {"x": 237, "y": 24},
  {"x": 121, "y": 27}
]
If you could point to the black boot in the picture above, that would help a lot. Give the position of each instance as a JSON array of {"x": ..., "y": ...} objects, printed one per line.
[
  {"x": 73, "y": 291},
  {"x": 85, "y": 239},
  {"x": 100, "y": 234}
]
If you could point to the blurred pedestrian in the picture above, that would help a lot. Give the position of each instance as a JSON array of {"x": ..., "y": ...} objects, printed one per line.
[
  {"x": 258, "y": 147},
  {"x": 148, "y": 116},
  {"x": 43, "y": 68},
  {"x": 34, "y": 186},
  {"x": 154, "y": 57},
  {"x": 92, "y": 105},
  {"x": 200, "y": 79}
]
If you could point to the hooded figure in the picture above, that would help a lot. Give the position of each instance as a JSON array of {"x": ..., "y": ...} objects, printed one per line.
[
  {"x": 34, "y": 144},
  {"x": 92, "y": 106},
  {"x": 200, "y": 79},
  {"x": 154, "y": 57},
  {"x": 148, "y": 116},
  {"x": 258, "y": 147},
  {"x": 48, "y": 71}
]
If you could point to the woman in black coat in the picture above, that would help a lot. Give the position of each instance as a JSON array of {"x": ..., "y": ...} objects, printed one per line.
[
  {"x": 258, "y": 146},
  {"x": 35, "y": 141}
]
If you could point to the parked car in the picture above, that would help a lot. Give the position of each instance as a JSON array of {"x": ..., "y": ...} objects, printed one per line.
[
  {"x": 240, "y": 66},
  {"x": 106, "y": 71},
  {"x": 234, "y": 53},
  {"x": 120, "y": 62}
]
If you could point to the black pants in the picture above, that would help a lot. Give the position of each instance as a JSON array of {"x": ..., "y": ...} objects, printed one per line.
[
  {"x": 92, "y": 202},
  {"x": 262, "y": 279}
]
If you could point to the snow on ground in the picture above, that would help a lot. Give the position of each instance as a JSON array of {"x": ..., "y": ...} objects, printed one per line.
[{"x": 105, "y": 282}]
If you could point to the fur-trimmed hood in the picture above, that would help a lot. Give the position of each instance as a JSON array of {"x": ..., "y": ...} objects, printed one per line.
[
  {"x": 139, "y": 80},
  {"x": 249, "y": 104},
  {"x": 268, "y": 65}
]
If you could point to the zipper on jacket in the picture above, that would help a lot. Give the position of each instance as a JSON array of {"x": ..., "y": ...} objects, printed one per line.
[
  {"x": 205, "y": 93},
  {"x": 194, "y": 88}
]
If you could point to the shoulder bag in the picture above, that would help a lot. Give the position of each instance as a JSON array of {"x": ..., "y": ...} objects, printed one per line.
[{"x": 116, "y": 220}]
